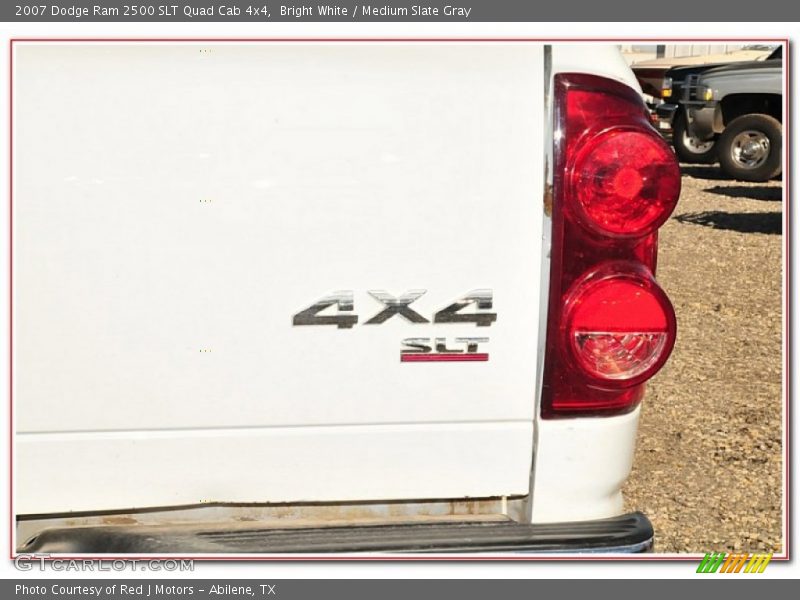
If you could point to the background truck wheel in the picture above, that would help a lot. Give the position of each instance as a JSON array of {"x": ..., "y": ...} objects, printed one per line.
[
  {"x": 690, "y": 149},
  {"x": 750, "y": 148}
]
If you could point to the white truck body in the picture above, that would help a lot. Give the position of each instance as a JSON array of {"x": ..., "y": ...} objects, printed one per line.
[{"x": 175, "y": 205}]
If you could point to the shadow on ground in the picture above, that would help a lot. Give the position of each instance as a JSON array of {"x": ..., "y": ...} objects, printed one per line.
[
  {"x": 759, "y": 192},
  {"x": 761, "y": 222},
  {"x": 710, "y": 172}
]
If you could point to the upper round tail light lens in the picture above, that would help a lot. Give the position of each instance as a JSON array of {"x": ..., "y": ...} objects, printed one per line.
[
  {"x": 619, "y": 326},
  {"x": 626, "y": 182}
]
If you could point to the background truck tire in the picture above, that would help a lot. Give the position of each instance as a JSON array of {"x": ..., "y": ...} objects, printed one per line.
[
  {"x": 690, "y": 149},
  {"x": 750, "y": 148}
]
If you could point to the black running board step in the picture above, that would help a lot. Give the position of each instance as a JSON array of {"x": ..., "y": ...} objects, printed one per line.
[{"x": 626, "y": 533}]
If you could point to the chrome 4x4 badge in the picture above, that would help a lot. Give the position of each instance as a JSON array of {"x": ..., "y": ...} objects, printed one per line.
[{"x": 420, "y": 349}]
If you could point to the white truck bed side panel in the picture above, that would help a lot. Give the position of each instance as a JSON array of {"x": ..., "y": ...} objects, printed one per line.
[
  {"x": 581, "y": 465},
  {"x": 176, "y": 204},
  {"x": 295, "y": 464}
]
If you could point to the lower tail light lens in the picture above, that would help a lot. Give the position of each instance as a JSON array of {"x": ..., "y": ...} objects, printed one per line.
[
  {"x": 619, "y": 326},
  {"x": 627, "y": 182}
]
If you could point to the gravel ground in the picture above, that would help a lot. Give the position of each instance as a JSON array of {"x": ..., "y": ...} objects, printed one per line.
[{"x": 708, "y": 466}]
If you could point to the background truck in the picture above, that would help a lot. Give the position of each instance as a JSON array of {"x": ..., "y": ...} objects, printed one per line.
[
  {"x": 740, "y": 108},
  {"x": 314, "y": 297},
  {"x": 670, "y": 88},
  {"x": 671, "y": 114}
]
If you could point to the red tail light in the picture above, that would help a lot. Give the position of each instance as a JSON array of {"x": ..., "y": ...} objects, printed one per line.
[
  {"x": 618, "y": 325},
  {"x": 626, "y": 183},
  {"x": 610, "y": 327}
]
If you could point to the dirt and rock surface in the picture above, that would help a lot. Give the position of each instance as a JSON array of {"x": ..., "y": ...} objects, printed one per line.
[{"x": 708, "y": 467}]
